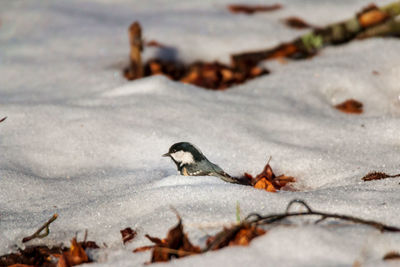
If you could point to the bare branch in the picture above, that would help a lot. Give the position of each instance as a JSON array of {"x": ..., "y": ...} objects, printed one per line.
[
  {"x": 269, "y": 219},
  {"x": 45, "y": 227},
  {"x": 254, "y": 219}
]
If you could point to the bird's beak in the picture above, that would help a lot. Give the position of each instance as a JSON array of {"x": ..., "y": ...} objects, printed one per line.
[{"x": 166, "y": 155}]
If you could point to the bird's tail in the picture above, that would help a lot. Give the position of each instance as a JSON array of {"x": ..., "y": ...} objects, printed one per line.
[{"x": 235, "y": 180}]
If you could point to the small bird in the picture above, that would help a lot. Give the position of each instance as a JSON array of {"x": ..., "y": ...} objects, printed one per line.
[{"x": 191, "y": 162}]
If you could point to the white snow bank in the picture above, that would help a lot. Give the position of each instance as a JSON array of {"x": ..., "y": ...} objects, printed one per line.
[{"x": 83, "y": 142}]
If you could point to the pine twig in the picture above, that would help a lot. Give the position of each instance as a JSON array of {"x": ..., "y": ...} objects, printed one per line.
[{"x": 43, "y": 227}]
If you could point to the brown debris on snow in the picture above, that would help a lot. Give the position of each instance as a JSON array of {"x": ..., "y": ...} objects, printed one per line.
[
  {"x": 350, "y": 106},
  {"x": 251, "y": 9}
]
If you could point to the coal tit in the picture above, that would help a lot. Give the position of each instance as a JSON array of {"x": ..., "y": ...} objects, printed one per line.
[{"x": 191, "y": 162}]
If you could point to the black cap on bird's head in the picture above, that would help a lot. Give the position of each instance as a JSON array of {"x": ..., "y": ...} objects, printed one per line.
[{"x": 186, "y": 152}]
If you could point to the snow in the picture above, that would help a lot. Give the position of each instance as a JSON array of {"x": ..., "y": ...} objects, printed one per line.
[{"x": 83, "y": 142}]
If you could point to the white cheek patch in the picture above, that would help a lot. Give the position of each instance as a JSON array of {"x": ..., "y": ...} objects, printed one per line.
[{"x": 183, "y": 157}]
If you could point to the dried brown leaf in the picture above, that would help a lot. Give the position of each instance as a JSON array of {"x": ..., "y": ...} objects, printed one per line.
[
  {"x": 263, "y": 183},
  {"x": 74, "y": 256},
  {"x": 31, "y": 256},
  {"x": 267, "y": 173},
  {"x": 156, "y": 240},
  {"x": 378, "y": 176},
  {"x": 296, "y": 23},
  {"x": 350, "y": 106},
  {"x": 268, "y": 181},
  {"x": 393, "y": 255},
  {"x": 176, "y": 244},
  {"x": 245, "y": 235},
  {"x": 283, "y": 180},
  {"x": 251, "y": 9},
  {"x": 239, "y": 234},
  {"x": 128, "y": 234},
  {"x": 210, "y": 75}
]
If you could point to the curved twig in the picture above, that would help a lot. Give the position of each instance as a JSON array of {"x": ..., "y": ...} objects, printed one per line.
[
  {"x": 258, "y": 216},
  {"x": 299, "y": 201},
  {"x": 255, "y": 219},
  {"x": 45, "y": 227},
  {"x": 269, "y": 219}
]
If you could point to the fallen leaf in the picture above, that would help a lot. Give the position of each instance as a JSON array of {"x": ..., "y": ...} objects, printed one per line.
[
  {"x": 393, "y": 255},
  {"x": 128, "y": 234},
  {"x": 210, "y": 75},
  {"x": 74, "y": 256},
  {"x": 296, "y": 23},
  {"x": 378, "y": 176},
  {"x": 350, "y": 106},
  {"x": 263, "y": 183},
  {"x": 266, "y": 173},
  {"x": 283, "y": 180},
  {"x": 31, "y": 256},
  {"x": 284, "y": 50},
  {"x": 239, "y": 234},
  {"x": 268, "y": 181},
  {"x": 245, "y": 235},
  {"x": 250, "y": 9},
  {"x": 175, "y": 245},
  {"x": 156, "y": 240}
]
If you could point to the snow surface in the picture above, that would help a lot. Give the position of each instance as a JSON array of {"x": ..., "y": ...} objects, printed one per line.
[{"x": 83, "y": 142}]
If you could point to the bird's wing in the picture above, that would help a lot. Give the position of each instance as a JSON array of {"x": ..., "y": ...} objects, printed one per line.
[{"x": 220, "y": 173}]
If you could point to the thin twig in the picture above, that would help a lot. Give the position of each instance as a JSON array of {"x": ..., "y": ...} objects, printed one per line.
[
  {"x": 255, "y": 219},
  {"x": 300, "y": 202},
  {"x": 262, "y": 220},
  {"x": 43, "y": 227},
  {"x": 3, "y": 119},
  {"x": 85, "y": 237}
]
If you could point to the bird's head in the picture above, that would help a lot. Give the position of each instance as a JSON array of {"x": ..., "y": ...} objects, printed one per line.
[{"x": 184, "y": 153}]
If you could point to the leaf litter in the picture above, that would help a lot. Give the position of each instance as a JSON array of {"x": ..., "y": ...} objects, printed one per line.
[
  {"x": 251, "y": 9},
  {"x": 378, "y": 176},
  {"x": 209, "y": 75},
  {"x": 128, "y": 234}
]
